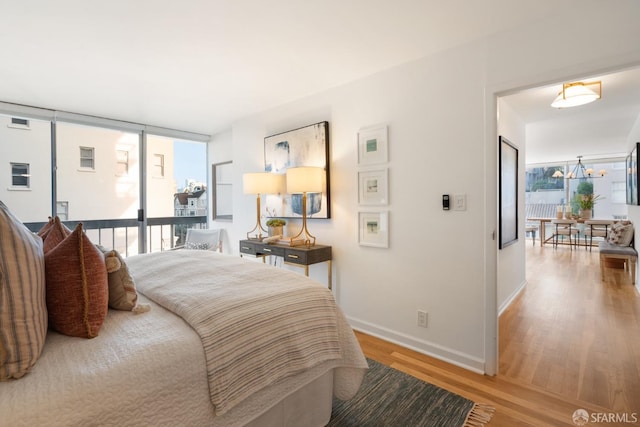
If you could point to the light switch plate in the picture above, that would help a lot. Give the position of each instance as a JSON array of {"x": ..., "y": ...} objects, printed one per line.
[{"x": 459, "y": 202}]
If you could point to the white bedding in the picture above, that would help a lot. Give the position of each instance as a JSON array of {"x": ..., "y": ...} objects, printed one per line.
[{"x": 146, "y": 369}]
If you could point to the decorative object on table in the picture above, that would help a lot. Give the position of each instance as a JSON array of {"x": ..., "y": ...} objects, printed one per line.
[
  {"x": 306, "y": 146},
  {"x": 373, "y": 229},
  {"x": 632, "y": 175},
  {"x": 586, "y": 202},
  {"x": 508, "y": 193},
  {"x": 373, "y": 145},
  {"x": 581, "y": 172},
  {"x": 559, "y": 212},
  {"x": 577, "y": 93},
  {"x": 304, "y": 180},
  {"x": 275, "y": 226},
  {"x": 567, "y": 212},
  {"x": 373, "y": 187},
  {"x": 259, "y": 183}
]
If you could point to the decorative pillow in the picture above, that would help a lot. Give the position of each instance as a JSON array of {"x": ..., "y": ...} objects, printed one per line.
[
  {"x": 23, "y": 312},
  {"x": 77, "y": 289},
  {"x": 621, "y": 233},
  {"x": 122, "y": 288},
  {"x": 54, "y": 234},
  {"x": 44, "y": 230}
]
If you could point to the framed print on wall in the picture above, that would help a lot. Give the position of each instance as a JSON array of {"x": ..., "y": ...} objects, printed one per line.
[
  {"x": 508, "y": 192},
  {"x": 373, "y": 187},
  {"x": 373, "y": 145},
  {"x": 373, "y": 229},
  {"x": 305, "y": 146},
  {"x": 633, "y": 198}
]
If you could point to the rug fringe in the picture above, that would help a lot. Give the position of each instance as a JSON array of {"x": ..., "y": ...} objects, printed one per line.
[{"x": 479, "y": 415}]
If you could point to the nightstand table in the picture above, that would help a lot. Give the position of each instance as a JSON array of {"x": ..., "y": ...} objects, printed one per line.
[{"x": 299, "y": 256}]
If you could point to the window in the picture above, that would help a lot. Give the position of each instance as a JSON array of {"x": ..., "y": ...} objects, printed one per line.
[
  {"x": 158, "y": 165},
  {"x": 20, "y": 175},
  {"x": 17, "y": 123},
  {"x": 87, "y": 159},
  {"x": 619, "y": 192},
  {"x": 122, "y": 165},
  {"x": 62, "y": 210}
]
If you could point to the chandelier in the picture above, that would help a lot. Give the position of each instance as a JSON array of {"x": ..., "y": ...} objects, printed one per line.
[{"x": 580, "y": 172}]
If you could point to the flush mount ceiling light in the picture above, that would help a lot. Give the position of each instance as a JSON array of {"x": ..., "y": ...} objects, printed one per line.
[{"x": 577, "y": 93}]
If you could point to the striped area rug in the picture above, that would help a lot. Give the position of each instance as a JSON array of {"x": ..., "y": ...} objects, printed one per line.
[{"x": 390, "y": 398}]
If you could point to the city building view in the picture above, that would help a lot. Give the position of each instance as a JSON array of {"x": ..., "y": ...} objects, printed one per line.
[{"x": 68, "y": 175}]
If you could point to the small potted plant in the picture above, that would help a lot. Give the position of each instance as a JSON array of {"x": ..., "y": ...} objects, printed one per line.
[
  {"x": 275, "y": 226},
  {"x": 586, "y": 202}
]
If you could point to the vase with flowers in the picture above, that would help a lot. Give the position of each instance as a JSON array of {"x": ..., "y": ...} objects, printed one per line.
[{"x": 586, "y": 202}]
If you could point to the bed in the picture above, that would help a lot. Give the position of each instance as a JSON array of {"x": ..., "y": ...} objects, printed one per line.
[{"x": 227, "y": 342}]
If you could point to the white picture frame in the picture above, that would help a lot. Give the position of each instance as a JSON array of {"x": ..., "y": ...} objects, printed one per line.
[
  {"x": 373, "y": 228},
  {"x": 373, "y": 187},
  {"x": 373, "y": 145}
]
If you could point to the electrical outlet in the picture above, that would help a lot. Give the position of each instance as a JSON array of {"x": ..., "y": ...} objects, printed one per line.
[{"x": 422, "y": 318}]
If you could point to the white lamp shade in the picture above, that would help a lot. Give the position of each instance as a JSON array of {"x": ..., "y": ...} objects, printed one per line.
[
  {"x": 575, "y": 94},
  {"x": 304, "y": 179},
  {"x": 262, "y": 183}
]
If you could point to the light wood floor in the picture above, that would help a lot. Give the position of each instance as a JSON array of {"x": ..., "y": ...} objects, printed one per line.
[{"x": 569, "y": 341}]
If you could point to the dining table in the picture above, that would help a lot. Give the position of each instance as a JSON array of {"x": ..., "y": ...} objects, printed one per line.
[{"x": 544, "y": 221}]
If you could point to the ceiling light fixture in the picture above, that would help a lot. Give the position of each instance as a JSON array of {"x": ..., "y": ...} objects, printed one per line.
[
  {"x": 580, "y": 172},
  {"x": 577, "y": 93}
]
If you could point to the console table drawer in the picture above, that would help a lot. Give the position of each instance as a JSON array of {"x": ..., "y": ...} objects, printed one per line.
[
  {"x": 248, "y": 248},
  {"x": 271, "y": 250},
  {"x": 306, "y": 256}
]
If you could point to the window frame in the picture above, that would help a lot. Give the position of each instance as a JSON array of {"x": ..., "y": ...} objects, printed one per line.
[
  {"x": 26, "y": 175},
  {"x": 92, "y": 158}
]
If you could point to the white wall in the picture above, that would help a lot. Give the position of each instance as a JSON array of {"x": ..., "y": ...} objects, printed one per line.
[
  {"x": 511, "y": 259},
  {"x": 441, "y": 113}
]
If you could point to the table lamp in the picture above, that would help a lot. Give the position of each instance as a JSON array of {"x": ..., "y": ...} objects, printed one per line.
[
  {"x": 303, "y": 180},
  {"x": 259, "y": 183}
]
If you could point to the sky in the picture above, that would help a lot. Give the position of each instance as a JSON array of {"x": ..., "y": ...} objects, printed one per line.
[{"x": 190, "y": 162}]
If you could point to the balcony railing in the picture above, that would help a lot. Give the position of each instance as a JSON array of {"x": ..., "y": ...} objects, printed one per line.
[{"x": 122, "y": 234}]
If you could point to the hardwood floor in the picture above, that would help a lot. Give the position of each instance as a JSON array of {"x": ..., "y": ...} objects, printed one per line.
[{"x": 568, "y": 342}]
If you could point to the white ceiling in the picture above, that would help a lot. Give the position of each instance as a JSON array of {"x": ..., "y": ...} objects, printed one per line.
[
  {"x": 596, "y": 130},
  {"x": 198, "y": 65}
]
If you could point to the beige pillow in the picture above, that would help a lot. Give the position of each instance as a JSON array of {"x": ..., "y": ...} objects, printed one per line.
[
  {"x": 621, "y": 233},
  {"x": 77, "y": 290},
  {"x": 23, "y": 312},
  {"x": 122, "y": 288}
]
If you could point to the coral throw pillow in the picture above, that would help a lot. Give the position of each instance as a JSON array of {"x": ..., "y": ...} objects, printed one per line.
[
  {"x": 77, "y": 289},
  {"x": 55, "y": 232}
]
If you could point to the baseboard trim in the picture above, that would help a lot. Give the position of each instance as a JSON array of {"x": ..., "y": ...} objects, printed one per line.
[
  {"x": 511, "y": 298},
  {"x": 445, "y": 354}
]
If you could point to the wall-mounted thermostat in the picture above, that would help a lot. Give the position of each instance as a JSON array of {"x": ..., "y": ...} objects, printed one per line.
[{"x": 445, "y": 202}]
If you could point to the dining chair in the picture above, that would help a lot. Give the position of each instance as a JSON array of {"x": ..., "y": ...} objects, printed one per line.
[
  {"x": 595, "y": 228},
  {"x": 565, "y": 227}
]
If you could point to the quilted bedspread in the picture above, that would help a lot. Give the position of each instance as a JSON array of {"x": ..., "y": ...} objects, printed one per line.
[{"x": 258, "y": 324}]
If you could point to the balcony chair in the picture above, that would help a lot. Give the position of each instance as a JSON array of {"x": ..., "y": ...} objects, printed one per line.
[
  {"x": 203, "y": 239},
  {"x": 565, "y": 227}
]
